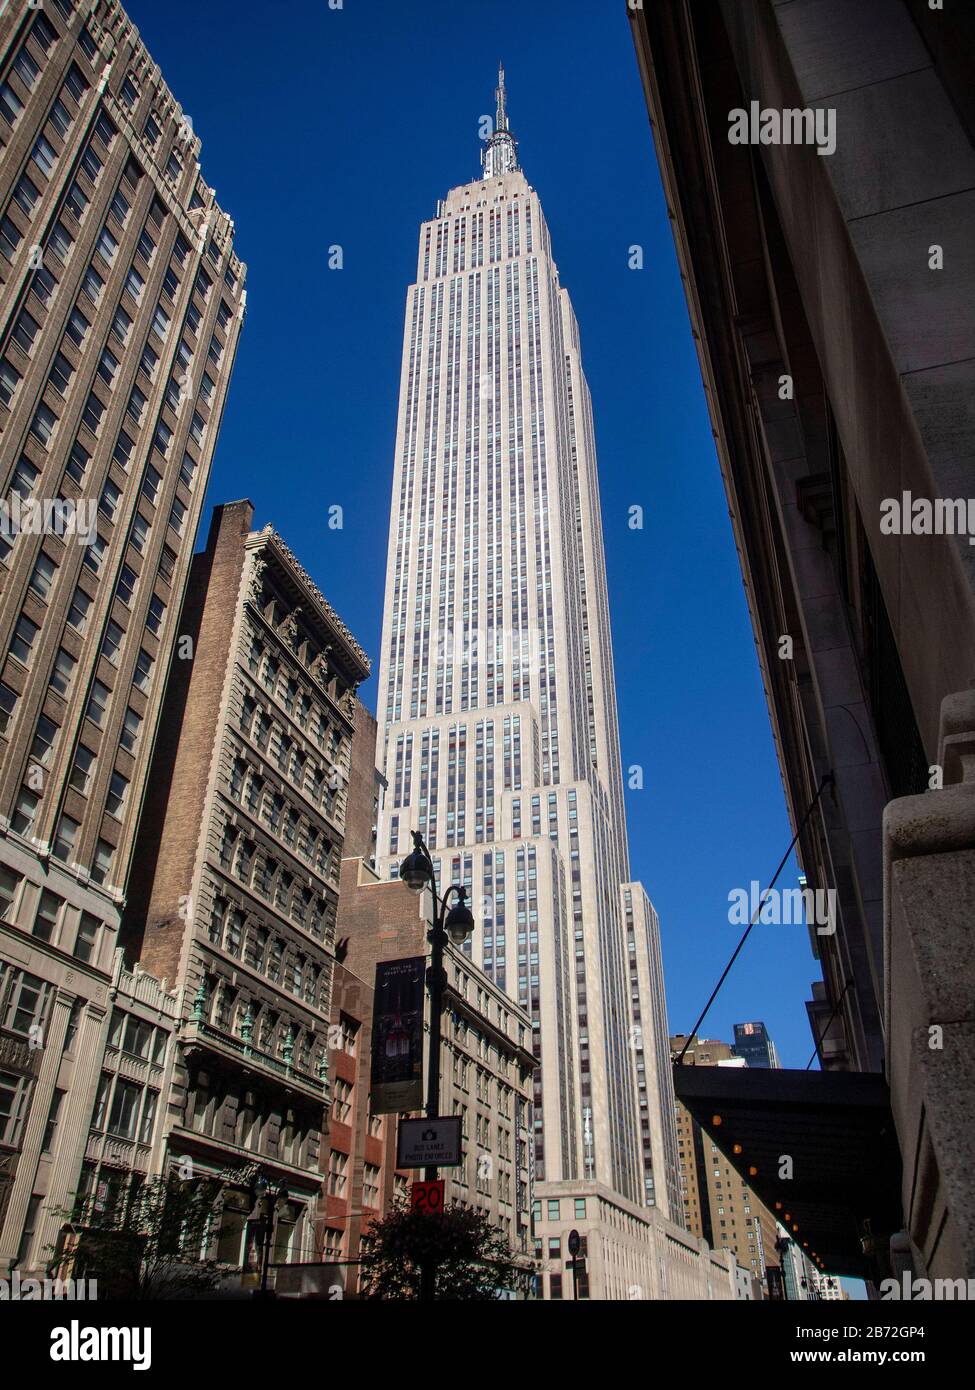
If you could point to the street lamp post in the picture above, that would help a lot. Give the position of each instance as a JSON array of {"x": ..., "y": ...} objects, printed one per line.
[
  {"x": 417, "y": 871},
  {"x": 262, "y": 1194}
]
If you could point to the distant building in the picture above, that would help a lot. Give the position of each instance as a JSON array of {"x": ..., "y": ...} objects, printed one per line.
[
  {"x": 753, "y": 1043},
  {"x": 718, "y": 1205},
  {"x": 827, "y": 1285},
  {"x": 799, "y": 1273}
]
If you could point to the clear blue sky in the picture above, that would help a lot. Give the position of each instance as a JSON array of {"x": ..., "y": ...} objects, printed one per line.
[{"x": 344, "y": 127}]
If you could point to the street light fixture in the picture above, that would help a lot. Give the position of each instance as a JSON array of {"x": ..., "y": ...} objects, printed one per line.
[
  {"x": 263, "y": 1197},
  {"x": 460, "y": 920},
  {"x": 457, "y": 924},
  {"x": 416, "y": 870}
]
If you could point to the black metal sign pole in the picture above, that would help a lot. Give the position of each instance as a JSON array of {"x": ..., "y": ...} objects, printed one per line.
[
  {"x": 428, "y": 1269},
  {"x": 574, "y": 1244}
]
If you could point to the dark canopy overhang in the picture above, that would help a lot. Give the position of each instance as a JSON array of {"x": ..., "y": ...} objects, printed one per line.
[{"x": 837, "y": 1129}]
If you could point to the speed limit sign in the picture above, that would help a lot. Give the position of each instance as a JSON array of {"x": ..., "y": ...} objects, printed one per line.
[{"x": 428, "y": 1196}]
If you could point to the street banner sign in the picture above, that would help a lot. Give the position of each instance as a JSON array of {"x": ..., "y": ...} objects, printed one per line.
[
  {"x": 396, "y": 1073},
  {"x": 429, "y": 1142},
  {"x": 428, "y": 1196}
]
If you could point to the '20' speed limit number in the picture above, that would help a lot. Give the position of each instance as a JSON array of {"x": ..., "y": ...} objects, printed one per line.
[{"x": 428, "y": 1196}]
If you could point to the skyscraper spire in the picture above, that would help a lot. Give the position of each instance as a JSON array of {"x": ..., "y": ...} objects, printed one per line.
[
  {"x": 501, "y": 115},
  {"x": 500, "y": 153}
]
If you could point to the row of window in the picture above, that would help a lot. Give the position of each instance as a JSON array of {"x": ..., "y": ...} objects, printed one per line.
[
  {"x": 299, "y": 833},
  {"x": 286, "y": 691},
  {"x": 553, "y": 1210},
  {"x": 137, "y": 1037},
  {"x": 304, "y": 772},
  {"x": 253, "y": 1122},
  {"x": 269, "y": 954},
  {"x": 262, "y": 873},
  {"x": 26, "y": 64},
  {"x": 54, "y": 921}
]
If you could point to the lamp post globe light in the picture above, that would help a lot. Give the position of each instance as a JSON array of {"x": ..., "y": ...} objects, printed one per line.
[{"x": 455, "y": 924}]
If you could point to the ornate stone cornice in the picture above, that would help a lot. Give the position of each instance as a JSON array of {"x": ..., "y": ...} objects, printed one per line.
[{"x": 326, "y": 611}]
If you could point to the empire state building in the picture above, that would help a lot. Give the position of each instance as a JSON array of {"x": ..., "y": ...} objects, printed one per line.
[{"x": 497, "y": 699}]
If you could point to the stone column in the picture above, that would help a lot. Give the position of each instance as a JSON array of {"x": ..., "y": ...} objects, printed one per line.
[{"x": 929, "y": 948}]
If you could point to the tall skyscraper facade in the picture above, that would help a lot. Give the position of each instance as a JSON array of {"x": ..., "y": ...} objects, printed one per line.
[
  {"x": 497, "y": 701},
  {"x": 121, "y": 301}
]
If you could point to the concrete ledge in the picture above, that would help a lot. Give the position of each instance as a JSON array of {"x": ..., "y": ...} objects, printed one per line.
[
  {"x": 946, "y": 1153},
  {"x": 929, "y": 867}
]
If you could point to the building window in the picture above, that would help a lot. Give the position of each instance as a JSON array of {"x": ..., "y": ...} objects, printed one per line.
[
  {"x": 342, "y": 1101},
  {"x": 117, "y": 793},
  {"x": 85, "y": 942},
  {"x": 106, "y": 245},
  {"x": 63, "y": 672},
  {"x": 143, "y": 671},
  {"x": 139, "y": 535},
  {"x": 78, "y": 461},
  {"x": 101, "y": 868},
  {"x": 338, "y": 1165},
  {"x": 350, "y": 1035},
  {"x": 25, "y": 331},
  {"x": 130, "y": 730},
  {"x": 22, "y": 640},
  {"x": 370, "y": 1186},
  {"x": 125, "y": 1109},
  {"x": 27, "y": 1005},
  {"x": 112, "y": 641},
  {"x": 9, "y": 883},
  {"x": 81, "y": 772},
  {"x": 42, "y": 576},
  {"x": 43, "y": 425},
  {"x": 14, "y": 1091},
  {"x": 64, "y": 840},
  {"x": 10, "y": 103},
  {"x": 50, "y": 1128},
  {"x": 46, "y": 918},
  {"x": 92, "y": 284}
]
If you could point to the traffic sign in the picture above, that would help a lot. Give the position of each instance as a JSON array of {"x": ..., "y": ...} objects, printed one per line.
[
  {"x": 429, "y": 1143},
  {"x": 428, "y": 1196},
  {"x": 575, "y": 1242}
]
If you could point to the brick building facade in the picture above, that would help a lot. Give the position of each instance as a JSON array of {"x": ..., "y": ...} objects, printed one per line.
[{"x": 235, "y": 895}]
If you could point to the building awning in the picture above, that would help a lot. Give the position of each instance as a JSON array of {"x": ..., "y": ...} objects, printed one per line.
[{"x": 837, "y": 1129}]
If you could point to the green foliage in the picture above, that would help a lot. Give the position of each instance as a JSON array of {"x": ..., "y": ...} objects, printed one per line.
[
  {"x": 472, "y": 1257},
  {"x": 147, "y": 1243}
]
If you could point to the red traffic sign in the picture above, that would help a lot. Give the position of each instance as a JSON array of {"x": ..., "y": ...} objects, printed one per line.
[{"x": 428, "y": 1196}]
